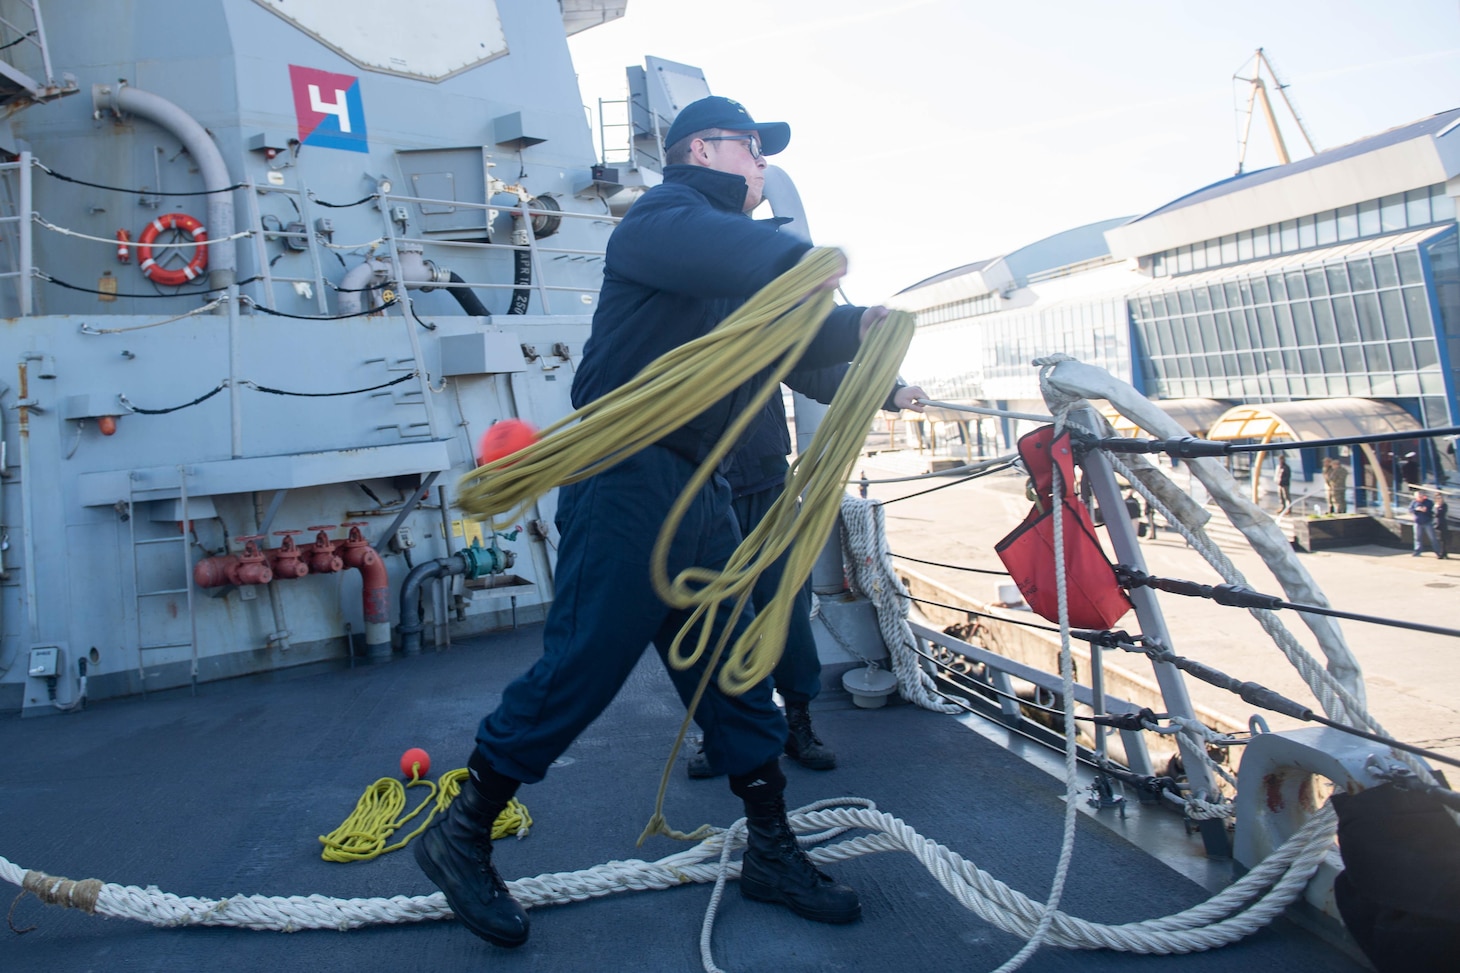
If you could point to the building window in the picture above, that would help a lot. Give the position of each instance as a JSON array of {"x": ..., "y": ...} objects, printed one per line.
[
  {"x": 1348, "y": 222},
  {"x": 1289, "y": 234},
  {"x": 1392, "y": 213},
  {"x": 1417, "y": 206},
  {"x": 1369, "y": 216},
  {"x": 1307, "y": 236},
  {"x": 1442, "y": 207}
]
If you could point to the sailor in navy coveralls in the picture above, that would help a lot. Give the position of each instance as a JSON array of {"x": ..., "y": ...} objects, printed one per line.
[{"x": 684, "y": 258}]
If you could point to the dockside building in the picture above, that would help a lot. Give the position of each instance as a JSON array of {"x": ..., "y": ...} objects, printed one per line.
[{"x": 1301, "y": 301}]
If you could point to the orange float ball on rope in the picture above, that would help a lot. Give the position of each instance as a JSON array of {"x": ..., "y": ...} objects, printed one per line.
[
  {"x": 415, "y": 763},
  {"x": 503, "y": 439}
]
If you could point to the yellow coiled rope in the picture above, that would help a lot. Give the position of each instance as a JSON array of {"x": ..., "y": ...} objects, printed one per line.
[
  {"x": 363, "y": 835},
  {"x": 768, "y": 333}
]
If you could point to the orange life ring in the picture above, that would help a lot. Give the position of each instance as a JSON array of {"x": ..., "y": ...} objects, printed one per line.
[{"x": 161, "y": 275}]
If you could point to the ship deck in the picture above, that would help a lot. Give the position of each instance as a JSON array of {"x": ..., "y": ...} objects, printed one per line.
[{"x": 224, "y": 791}]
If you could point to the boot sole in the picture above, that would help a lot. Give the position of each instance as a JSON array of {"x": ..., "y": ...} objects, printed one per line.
[
  {"x": 758, "y": 891},
  {"x": 438, "y": 878}
]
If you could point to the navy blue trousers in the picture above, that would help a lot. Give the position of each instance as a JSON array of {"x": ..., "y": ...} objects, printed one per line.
[
  {"x": 798, "y": 675},
  {"x": 605, "y": 614}
]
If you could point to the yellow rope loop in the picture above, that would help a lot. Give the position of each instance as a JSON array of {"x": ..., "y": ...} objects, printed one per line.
[
  {"x": 766, "y": 337},
  {"x": 801, "y": 519},
  {"x": 693, "y": 377},
  {"x": 377, "y": 815}
]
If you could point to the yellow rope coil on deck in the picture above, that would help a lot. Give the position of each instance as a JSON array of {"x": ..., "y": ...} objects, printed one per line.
[
  {"x": 768, "y": 334},
  {"x": 377, "y": 815}
]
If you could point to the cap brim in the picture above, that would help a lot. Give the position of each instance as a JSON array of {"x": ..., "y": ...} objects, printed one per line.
[{"x": 774, "y": 136}]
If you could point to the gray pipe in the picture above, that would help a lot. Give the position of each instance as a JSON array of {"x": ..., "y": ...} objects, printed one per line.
[
  {"x": 417, "y": 271},
  {"x": 356, "y": 279},
  {"x": 410, "y": 597},
  {"x": 222, "y": 257}
]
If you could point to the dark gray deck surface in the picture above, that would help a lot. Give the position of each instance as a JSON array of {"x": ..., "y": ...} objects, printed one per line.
[{"x": 225, "y": 792}]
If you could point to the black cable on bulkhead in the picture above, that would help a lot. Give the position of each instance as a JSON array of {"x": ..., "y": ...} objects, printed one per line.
[
  {"x": 327, "y": 395},
  {"x": 317, "y": 317},
  {"x": 42, "y": 275},
  {"x": 136, "y": 192}
]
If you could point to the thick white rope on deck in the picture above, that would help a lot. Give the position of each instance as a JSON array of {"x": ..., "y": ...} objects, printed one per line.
[
  {"x": 868, "y": 563},
  {"x": 1225, "y": 918}
]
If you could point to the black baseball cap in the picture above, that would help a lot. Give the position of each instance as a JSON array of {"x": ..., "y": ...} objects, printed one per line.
[{"x": 717, "y": 112}]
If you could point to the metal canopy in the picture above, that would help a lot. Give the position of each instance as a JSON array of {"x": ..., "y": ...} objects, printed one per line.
[
  {"x": 1195, "y": 415},
  {"x": 1312, "y": 419}
]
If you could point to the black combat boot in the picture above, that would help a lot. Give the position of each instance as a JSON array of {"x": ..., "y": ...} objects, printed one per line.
[
  {"x": 775, "y": 869},
  {"x": 456, "y": 854},
  {"x": 802, "y": 744}
]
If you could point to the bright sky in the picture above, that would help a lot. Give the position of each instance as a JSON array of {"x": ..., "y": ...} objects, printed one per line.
[{"x": 933, "y": 133}]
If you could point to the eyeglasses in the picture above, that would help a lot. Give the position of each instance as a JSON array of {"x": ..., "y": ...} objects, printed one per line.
[{"x": 750, "y": 140}]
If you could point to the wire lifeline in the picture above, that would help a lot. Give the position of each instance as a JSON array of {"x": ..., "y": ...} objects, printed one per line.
[
  {"x": 216, "y": 302},
  {"x": 37, "y": 218},
  {"x": 999, "y": 467}
]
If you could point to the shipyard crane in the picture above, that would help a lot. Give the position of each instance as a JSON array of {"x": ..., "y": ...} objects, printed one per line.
[{"x": 1257, "y": 93}]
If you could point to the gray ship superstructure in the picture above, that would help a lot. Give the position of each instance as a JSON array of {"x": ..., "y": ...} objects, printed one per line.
[{"x": 275, "y": 406}]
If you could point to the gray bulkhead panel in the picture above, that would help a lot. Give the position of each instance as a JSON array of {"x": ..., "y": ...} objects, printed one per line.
[{"x": 108, "y": 573}]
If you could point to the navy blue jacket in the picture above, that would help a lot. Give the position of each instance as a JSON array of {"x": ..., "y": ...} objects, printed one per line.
[
  {"x": 759, "y": 461},
  {"x": 684, "y": 258}
]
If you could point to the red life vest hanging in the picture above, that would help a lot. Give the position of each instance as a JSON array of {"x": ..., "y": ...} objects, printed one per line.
[{"x": 1093, "y": 594}]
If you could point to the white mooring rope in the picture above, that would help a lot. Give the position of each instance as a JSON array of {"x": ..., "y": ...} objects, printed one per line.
[{"x": 1222, "y": 919}]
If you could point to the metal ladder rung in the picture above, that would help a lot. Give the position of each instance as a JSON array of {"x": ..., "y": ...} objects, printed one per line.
[{"x": 186, "y": 590}]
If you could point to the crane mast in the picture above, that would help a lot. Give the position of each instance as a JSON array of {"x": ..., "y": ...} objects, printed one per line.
[{"x": 1258, "y": 94}]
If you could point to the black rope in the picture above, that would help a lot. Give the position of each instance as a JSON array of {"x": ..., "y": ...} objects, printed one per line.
[
  {"x": 159, "y": 412},
  {"x": 90, "y": 290},
  {"x": 1190, "y": 447},
  {"x": 1238, "y": 596},
  {"x": 953, "y": 567},
  {"x": 319, "y": 317},
  {"x": 136, "y": 192},
  {"x": 943, "y": 486},
  {"x": 326, "y": 395},
  {"x": 362, "y": 199}
]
